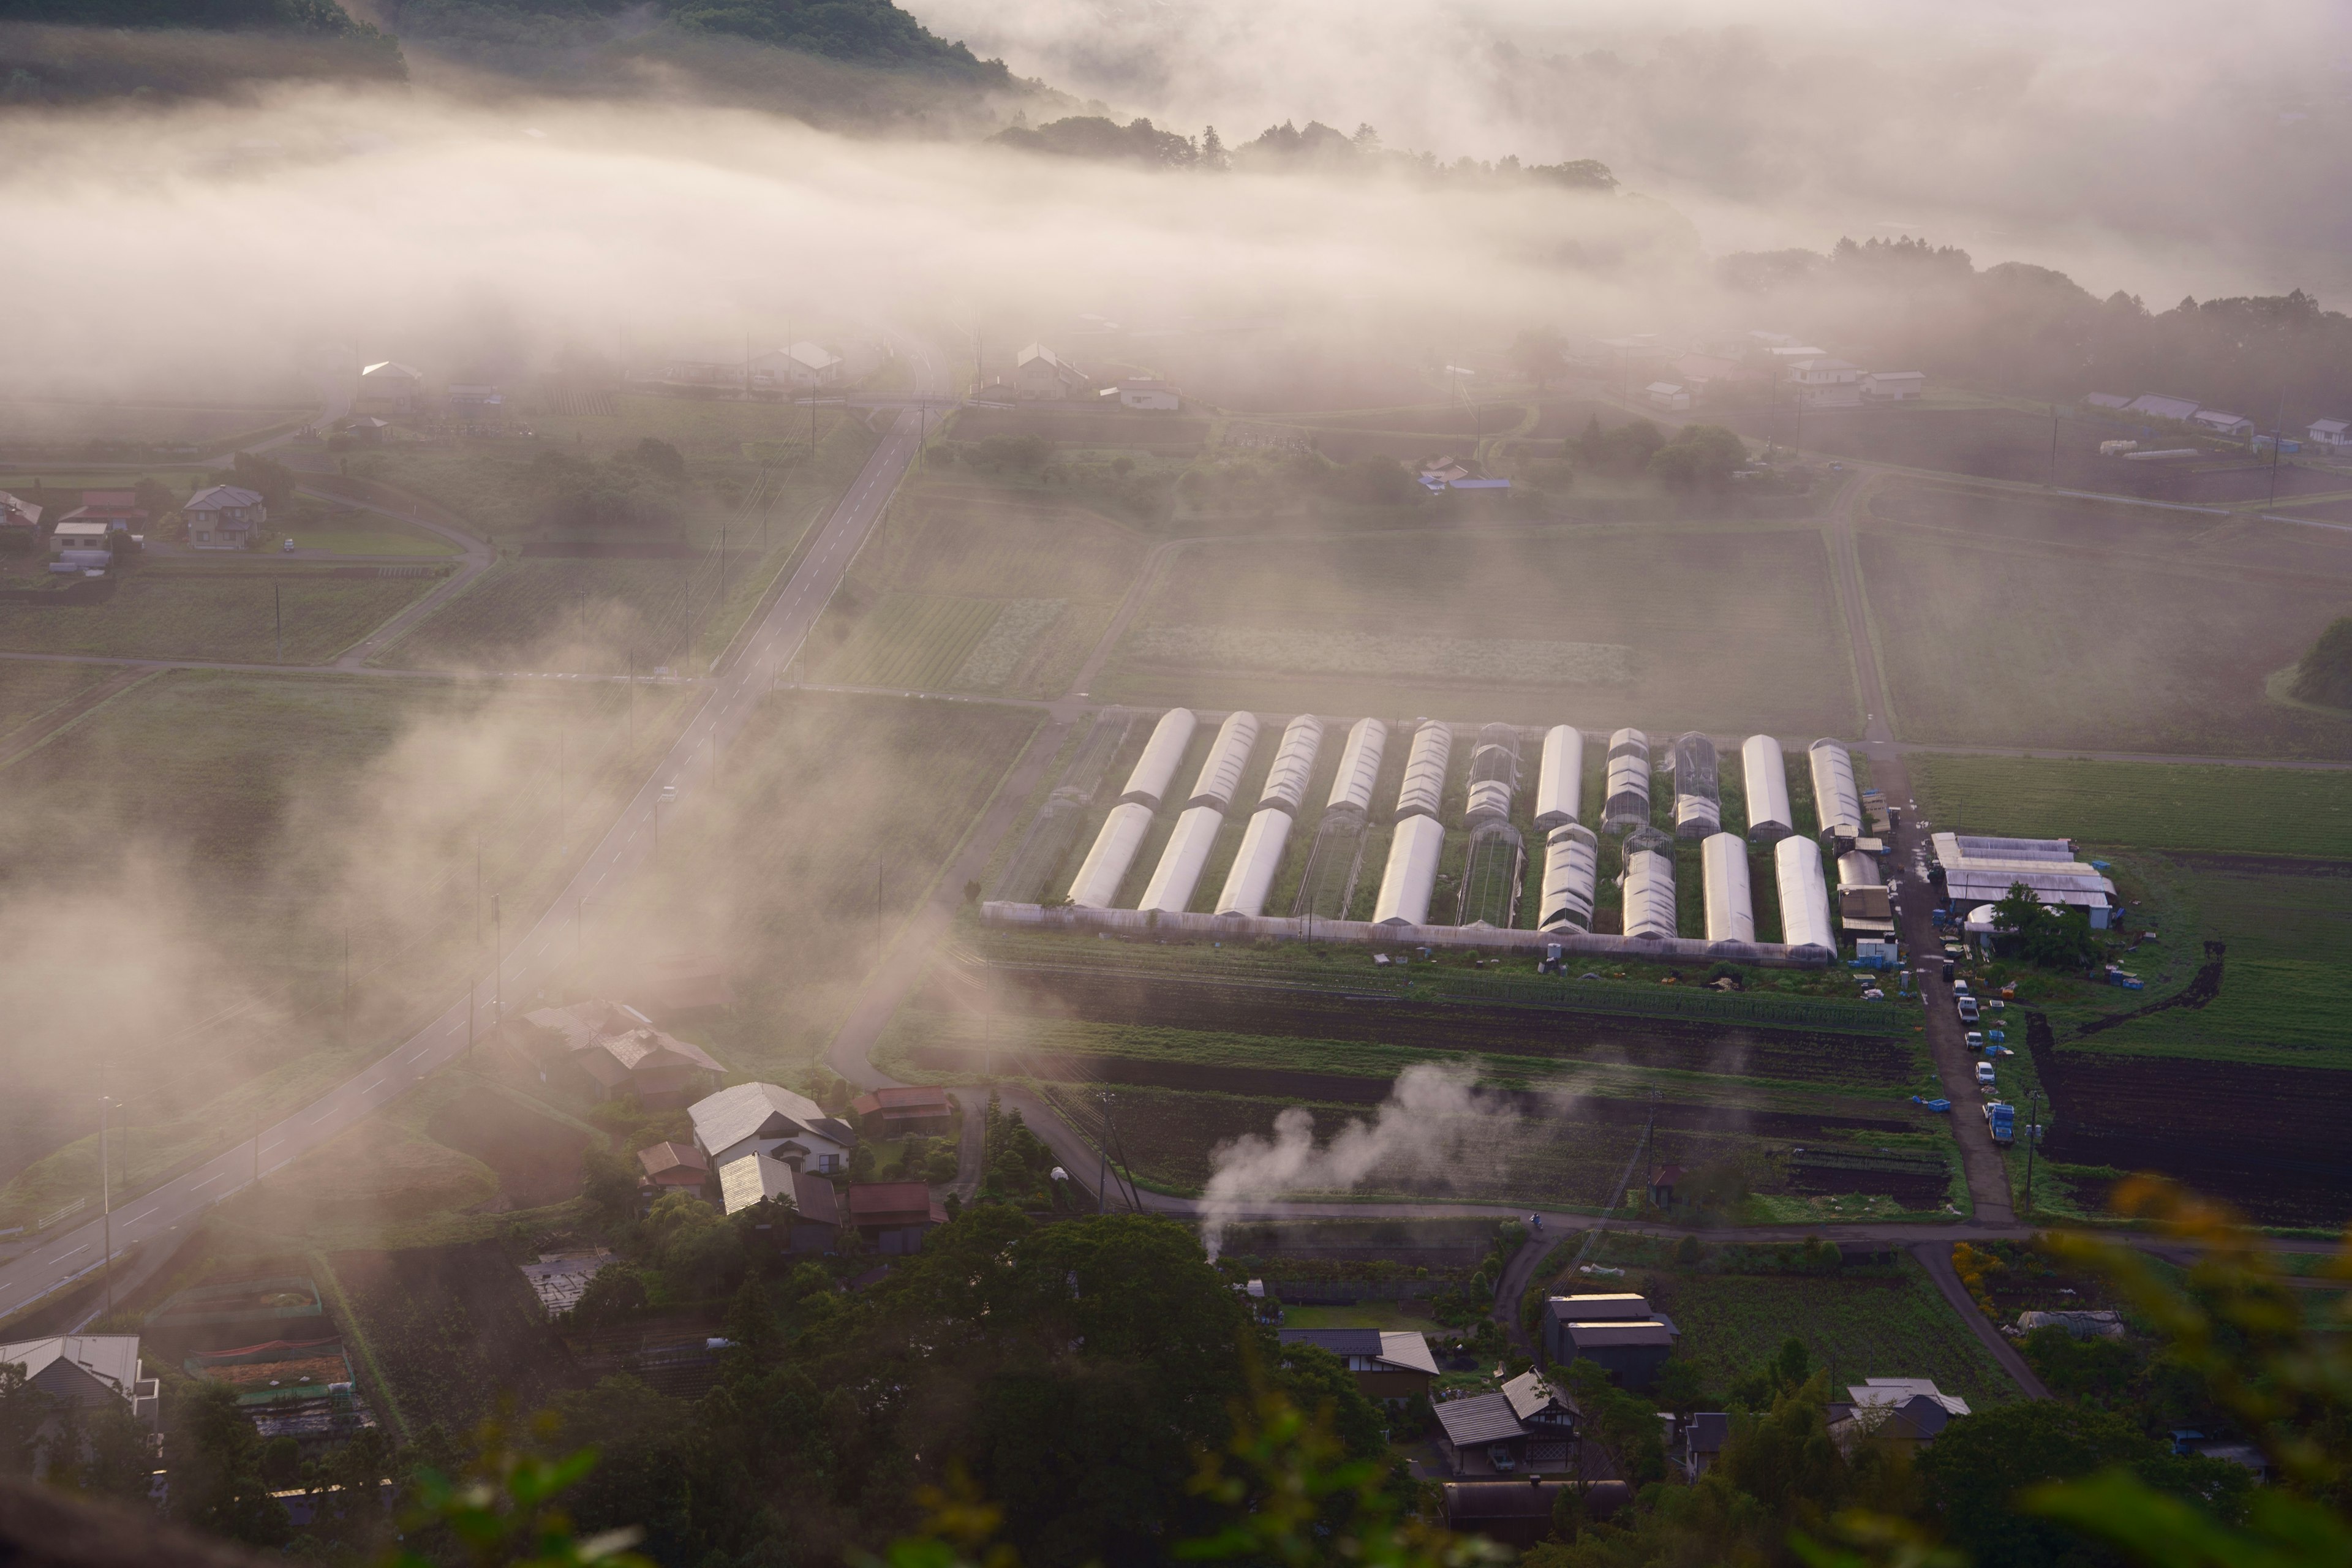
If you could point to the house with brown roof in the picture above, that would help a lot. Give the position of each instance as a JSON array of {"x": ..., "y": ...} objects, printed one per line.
[
  {"x": 896, "y": 1112},
  {"x": 894, "y": 1217},
  {"x": 674, "y": 1167},
  {"x": 617, "y": 1050}
]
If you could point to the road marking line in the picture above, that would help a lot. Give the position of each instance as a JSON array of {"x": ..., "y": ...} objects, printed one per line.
[
  {"x": 208, "y": 1181},
  {"x": 143, "y": 1213},
  {"x": 60, "y": 1257}
]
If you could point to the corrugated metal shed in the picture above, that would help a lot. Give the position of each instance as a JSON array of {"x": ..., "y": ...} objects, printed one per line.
[
  {"x": 1976, "y": 846},
  {"x": 1221, "y": 771},
  {"x": 1156, "y": 769},
  {"x": 1698, "y": 796},
  {"x": 1123, "y": 832},
  {"x": 1629, "y": 780},
  {"x": 1730, "y": 913},
  {"x": 1560, "y": 782},
  {"x": 1835, "y": 800},
  {"x": 1412, "y": 873},
  {"x": 1255, "y": 863},
  {"x": 1359, "y": 765},
  {"x": 1649, "y": 893},
  {"x": 1766, "y": 772},
  {"x": 1294, "y": 764},
  {"x": 1856, "y": 869},
  {"x": 1181, "y": 864},
  {"x": 1571, "y": 877},
  {"x": 1424, "y": 790},
  {"x": 1804, "y": 896}
]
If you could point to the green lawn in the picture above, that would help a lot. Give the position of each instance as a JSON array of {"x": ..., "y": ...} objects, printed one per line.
[
  {"x": 1858, "y": 1326},
  {"x": 381, "y": 536},
  {"x": 156, "y": 614},
  {"x": 2251, "y": 811}
]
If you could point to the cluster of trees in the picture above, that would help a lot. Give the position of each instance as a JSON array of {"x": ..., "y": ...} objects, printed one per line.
[
  {"x": 1697, "y": 456},
  {"x": 639, "y": 491},
  {"x": 2032, "y": 931},
  {"x": 2028, "y": 327},
  {"x": 2326, "y": 674},
  {"x": 870, "y": 32},
  {"x": 317, "y": 16},
  {"x": 1286, "y": 149}
]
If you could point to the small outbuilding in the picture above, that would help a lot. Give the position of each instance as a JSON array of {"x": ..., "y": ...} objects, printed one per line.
[
  {"x": 1388, "y": 1364},
  {"x": 674, "y": 1167},
  {"x": 894, "y": 1217},
  {"x": 897, "y": 1112}
]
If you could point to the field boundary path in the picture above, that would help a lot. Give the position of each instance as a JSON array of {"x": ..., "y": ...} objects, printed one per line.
[
  {"x": 38, "y": 730},
  {"x": 417, "y": 512},
  {"x": 629, "y": 843}
]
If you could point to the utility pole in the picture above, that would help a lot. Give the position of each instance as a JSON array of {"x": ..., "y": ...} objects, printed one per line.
[
  {"x": 878, "y": 909},
  {"x": 499, "y": 964},
  {"x": 347, "y": 975},
  {"x": 632, "y": 696},
  {"x": 477, "y": 887},
  {"x": 2054, "y": 448},
  {"x": 2032, "y": 1130},
  {"x": 1102, "y": 1162},
  {"x": 2278, "y": 442},
  {"x": 278, "y": 608}
]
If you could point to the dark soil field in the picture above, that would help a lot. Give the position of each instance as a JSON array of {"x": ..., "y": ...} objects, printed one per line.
[
  {"x": 1454, "y": 1027},
  {"x": 454, "y": 1328},
  {"x": 2268, "y": 1139},
  {"x": 536, "y": 1157}
]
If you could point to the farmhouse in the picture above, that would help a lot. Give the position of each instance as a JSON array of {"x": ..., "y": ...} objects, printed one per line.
[
  {"x": 1667, "y": 395},
  {"x": 1826, "y": 382},
  {"x": 119, "y": 509},
  {"x": 2332, "y": 433},
  {"x": 747, "y": 1179},
  {"x": 1911, "y": 1411},
  {"x": 474, "y": 399},
  {"x": 1481, "y": 1436},
  {"x": 1387, "y": 1363},
  {"x": 895, "y": 1112},
  {"x": 84, "y": 1371},
  {"x": 1973, "y": 870},
  {"x": 223, "y": 517},
  {"x": 1617, "y": 1332},
  {"x": 389, "y": 386},
  {"x": 796, "y": 365},
  {"x": 760, "y": 1117},
  {"x": 616, "y": 1049},
  {"x": 894, "y": 1217},
  {"x": 2237, "y": 426},
  {"x": 80, "y": 537},
  {"x": 1144, "y": 392},
  {"x": 1040, "y": 375},
  {"x": 1894, "y": 385}
]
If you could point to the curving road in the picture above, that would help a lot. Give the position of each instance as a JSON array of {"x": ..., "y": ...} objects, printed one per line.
[{"x": 538, "y": 949}]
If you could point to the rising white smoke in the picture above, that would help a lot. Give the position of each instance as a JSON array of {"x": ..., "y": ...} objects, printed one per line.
[{"x": 1418, "y": 1137}]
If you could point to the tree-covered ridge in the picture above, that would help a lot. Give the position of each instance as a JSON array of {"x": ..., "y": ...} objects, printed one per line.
[
  {"x": 1286, "y": 149},
  {"x": 314, "y": 16},
  {"x": 872, "y": 32}
]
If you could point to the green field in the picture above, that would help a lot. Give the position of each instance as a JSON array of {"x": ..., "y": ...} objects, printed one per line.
[
  {"x": 2250, "y": 811},
  {"x": 912, "y": 641},
  {"x": 29, "y": 688},
  {"x": 1727, "y": 627},
  {"x": 186, "y": 863},
  {"x": 1857, "y": 1327},
  {"x": 590, "y": 615},
  {"x": 375, "y": 536},
  {"x": 2002, "y": 622},
  {"x": 162, "y": 615}
]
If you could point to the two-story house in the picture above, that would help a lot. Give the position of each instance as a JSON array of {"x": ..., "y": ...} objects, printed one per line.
[{"x": 223, "y": 517}]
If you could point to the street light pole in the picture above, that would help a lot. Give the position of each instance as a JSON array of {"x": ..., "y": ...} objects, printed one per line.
[
  {"x": 105, "y": 1186},
  {"x": 2032, "y": 1130},
  {"x": 497, "y": 963}
]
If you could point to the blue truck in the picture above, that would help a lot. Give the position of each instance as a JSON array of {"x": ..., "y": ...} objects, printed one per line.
[{"x": 2000, "y": 1120}]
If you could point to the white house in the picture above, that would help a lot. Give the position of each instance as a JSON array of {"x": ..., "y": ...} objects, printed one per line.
[
  {"x": 1826, "y": 382},
  {"x": 223, "y": 517},
  {"x": 801, "y": 365},
  {"x": 2237, "y": 426},
  {"x": 86, "y": 1370},
  {"x": 1041, "y": 376},
  {"x": 761, "y": 1119},
  {"x": 1145, "y": 393},
  {"x": 2333, "y": 434},
  {"x": 1668, "y": 395},
  {"x": 389, "y": 386},
  {"x": 1894, "y": 385}
]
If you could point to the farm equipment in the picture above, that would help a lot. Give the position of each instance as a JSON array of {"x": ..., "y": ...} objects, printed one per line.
[
  {"x": 1935, "y": 1105},
  {"x": 2000, "y": 1120}
]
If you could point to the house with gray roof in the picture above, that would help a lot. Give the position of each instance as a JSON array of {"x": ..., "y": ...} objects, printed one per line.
[
  {"x": 617, "y": 1050},
  {"x": 86, "y": 1370},
  {"x": 223, "y": 517},
  {"x": 762, "y": 1118},
  {"x": 1387, "y": 1363}
]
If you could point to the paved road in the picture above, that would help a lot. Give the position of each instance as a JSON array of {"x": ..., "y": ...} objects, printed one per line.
[{"x": 538, "y": 946}]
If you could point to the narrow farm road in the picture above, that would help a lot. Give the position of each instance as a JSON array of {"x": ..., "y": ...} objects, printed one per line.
[
  {"x": 536, "y": 948},
  {"x": 1936, "y": 1257}
]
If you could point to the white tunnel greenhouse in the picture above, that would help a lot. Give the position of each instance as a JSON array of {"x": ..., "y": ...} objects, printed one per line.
[
  {"x": 1156, "y": 769},
  {"x": 1123, "y": 831},
  {"x": 1412, "y": 873},
  {"x": 1360, "y": 766},
  {"x": 1294, "y": 764},
  {"x": 1494, "y": 774},
  {"x": 1649, "y": 893},
  {"x": 1221, "y": 771},
  {"x": 1255, "y": 863},
  {"x": 1730, "y": 910},
  {"x": 1560, "y": 782},
  {"x": 1628, "y": 800},
  {"x": 1804, "y": 896},
  {"x": 1766, "y": 772},
  {"x": 1698, "y": 796},
  {"x": 1181, "y": 864},
  {"x": 1835, "y": 800},
  {"x": 1422, "y": 794},
  {"x": 1571, "y": 877}
]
